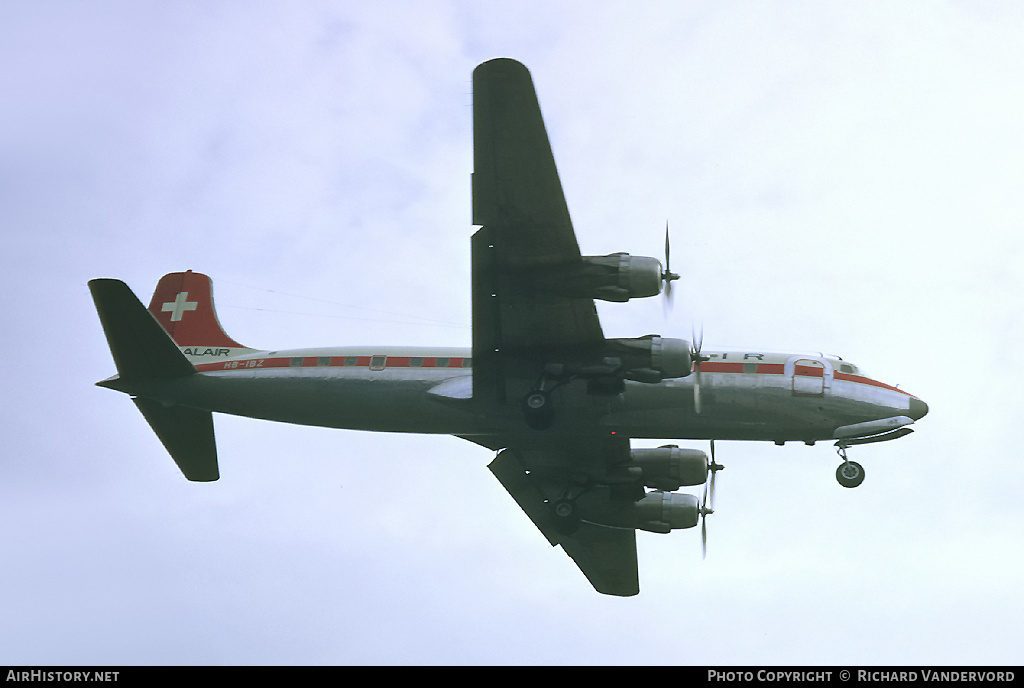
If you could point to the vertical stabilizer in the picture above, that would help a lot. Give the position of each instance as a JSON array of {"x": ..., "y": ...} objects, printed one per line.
[{"x": 183, "y": 305}]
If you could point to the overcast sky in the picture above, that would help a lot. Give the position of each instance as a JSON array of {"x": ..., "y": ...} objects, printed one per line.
[{"x": 839, "y": 177}]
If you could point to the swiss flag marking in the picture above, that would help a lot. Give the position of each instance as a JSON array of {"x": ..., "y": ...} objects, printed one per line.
[{"x": 179, "y": 305}]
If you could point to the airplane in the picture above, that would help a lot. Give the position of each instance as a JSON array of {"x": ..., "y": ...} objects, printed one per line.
[{"x": 556, "y": 400}]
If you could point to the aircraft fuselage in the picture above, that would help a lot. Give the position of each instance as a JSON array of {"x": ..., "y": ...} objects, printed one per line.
[{"x": 744, "y": 395}]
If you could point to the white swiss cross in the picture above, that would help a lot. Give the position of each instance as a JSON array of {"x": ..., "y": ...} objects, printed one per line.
[{"x": 179, "y": 305}]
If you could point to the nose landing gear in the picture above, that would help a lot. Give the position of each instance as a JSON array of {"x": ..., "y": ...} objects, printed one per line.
[{"x": 849, "y": 473}]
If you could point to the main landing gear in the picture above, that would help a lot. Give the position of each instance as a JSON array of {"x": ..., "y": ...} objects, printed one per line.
[
  {"x": 538, "y": 410},
  {"x": 566, "y": 515},
  {"x": 604, "y": 380},
  {"x": 849, "y": 473},
  {"x": 538, "y": 406}
]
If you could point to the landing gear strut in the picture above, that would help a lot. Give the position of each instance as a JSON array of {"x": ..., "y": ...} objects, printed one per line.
[{"x": 849, "y": 473}]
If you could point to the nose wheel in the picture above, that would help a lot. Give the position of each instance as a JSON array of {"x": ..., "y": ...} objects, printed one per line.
[{"x": 849, "y": 473}]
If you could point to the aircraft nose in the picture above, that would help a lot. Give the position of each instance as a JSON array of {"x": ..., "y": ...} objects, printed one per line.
[{"x": 918, "y": 408}]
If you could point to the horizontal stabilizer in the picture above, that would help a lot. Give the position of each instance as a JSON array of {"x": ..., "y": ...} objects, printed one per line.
[
  {"x": 141, "y": 348},
  {"x": 145, "y": 353},
  {"x": 187, "y": 433}
]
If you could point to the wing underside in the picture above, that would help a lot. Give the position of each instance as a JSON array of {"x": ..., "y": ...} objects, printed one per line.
[
  {"x": 526, "y": 235},
  {"x": 605, "y": 555},
  {"x": 526, "y": 244},
  {"x": 515, "y": 182}
]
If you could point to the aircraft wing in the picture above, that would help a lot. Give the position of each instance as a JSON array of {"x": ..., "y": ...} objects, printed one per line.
[
  {"x": 523, "y": 317},
  {"x": 605, "y": 555},
  {"x": 526, "y": 233},
  {"x": 515, "y": 183}
]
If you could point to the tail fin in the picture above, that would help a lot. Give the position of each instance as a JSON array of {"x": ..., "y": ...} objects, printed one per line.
[
  {"x": 183, "y": 305},
  {"x": 145, "y": 356}
]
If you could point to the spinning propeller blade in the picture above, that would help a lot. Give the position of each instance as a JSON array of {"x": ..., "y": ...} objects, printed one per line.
[
  {"x": 714, "y": 468},
  {"x": 704, "y": 511},
  {"x": 668, "y": 277},
  {"x": 708, "y": 507},
  {"x": 698, "y": 344}
]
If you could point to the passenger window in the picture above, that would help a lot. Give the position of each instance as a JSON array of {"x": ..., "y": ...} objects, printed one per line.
[
  {"x": 467, "y": 363},
  {"x": 351, "y": 360},
  {"x": 442, "y": 363},
  {"x": 296, "y": 362},
  {"x": 323, "y": 361},
  {"x": 377, "y": 362},
  {"x": 416, "y": 362},
  {"x": 749, "y": 367}
]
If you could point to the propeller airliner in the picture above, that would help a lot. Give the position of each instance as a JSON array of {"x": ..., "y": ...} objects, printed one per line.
[{"x": 542, "y": 387}]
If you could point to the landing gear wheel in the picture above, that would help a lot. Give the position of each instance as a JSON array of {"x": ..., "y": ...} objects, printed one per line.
[
  {"x": 567, "y": 518},
  {"x": 850, "y": 474},
  {"x": 538, "y": 410}
]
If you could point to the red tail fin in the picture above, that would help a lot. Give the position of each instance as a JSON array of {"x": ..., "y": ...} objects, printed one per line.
[{"x": 183, "y": 305}]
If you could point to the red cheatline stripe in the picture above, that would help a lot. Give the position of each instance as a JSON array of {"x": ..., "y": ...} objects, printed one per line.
[
  {"x": 846, "y": 377},
  {"x": 456, "y": 362},
  {"x": 727, "y": 367}
]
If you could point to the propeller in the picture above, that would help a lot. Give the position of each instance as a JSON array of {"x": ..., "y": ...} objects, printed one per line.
[
  {"x": 704, "y": 511},
  {"x": 698, "y": 358},
  {"x": 709, "y": 498},
  {"x": 714, "y": 468},
  {"x": 668, "y": 277}
]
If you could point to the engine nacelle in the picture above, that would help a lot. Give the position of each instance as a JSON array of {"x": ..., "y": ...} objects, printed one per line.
[
  {"x": 669, "y": 468},
  {"x": 660, "y": 512},
  {"x": 653, "y": 358},
  {"x": 620, "y": 277}
]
